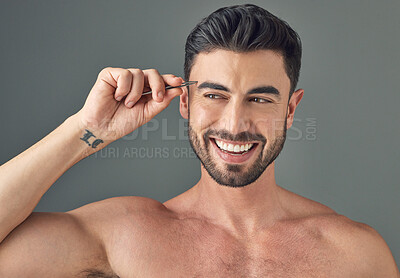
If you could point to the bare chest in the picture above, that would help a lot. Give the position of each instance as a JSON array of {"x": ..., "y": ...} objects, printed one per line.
[{"x": 196, "y": 251}]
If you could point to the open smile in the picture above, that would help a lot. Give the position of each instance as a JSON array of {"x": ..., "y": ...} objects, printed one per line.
[{"x": 234, "y": 152}]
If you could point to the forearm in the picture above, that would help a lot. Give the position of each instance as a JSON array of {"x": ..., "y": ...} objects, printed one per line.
[{"x": 25, "y": 178}]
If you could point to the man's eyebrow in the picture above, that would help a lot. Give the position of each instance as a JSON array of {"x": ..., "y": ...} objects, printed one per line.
[{"x": 259, "y": 90}]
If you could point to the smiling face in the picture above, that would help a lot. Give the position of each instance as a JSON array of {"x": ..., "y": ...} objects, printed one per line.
[{"x": 238, "y": 113}]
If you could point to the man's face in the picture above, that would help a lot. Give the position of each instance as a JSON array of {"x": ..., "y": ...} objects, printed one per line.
[{"x": 235, "y": 130}]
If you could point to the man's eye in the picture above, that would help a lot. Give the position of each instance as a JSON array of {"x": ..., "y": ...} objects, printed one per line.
[
  {"x": 212, "y": 96},
  {"x": 260, "y": 100}
]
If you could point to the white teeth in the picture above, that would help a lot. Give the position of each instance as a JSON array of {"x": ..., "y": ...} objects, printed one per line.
[{"x": 233, "y": 148}]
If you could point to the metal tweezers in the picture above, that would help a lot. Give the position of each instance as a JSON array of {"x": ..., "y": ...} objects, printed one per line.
[{"x": 184, "y": 84}]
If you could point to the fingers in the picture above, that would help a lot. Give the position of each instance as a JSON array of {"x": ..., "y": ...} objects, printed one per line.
[
  {"x": 114, "y": 81},
  {"x": 172, "y": 80},
  {"x": 130, "y": 84},
  {"x": 154, "y": 80},
  {"x": 118, "y": 81},
  {"x": 153, "y": 107},
  {"x": 124, "y": 83},
  {"x": 136, "y": 89},
  {"x": 158, "y": 82}
]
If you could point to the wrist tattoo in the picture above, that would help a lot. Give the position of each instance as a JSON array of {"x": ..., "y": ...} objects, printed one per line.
[{"x": 86, "y": 138}]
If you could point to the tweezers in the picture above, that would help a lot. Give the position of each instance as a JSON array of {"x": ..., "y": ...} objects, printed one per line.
[{"x": 184, "y": 84}]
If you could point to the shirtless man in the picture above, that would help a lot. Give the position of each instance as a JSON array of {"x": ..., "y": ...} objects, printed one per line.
[{"x": 235, "y": 222}]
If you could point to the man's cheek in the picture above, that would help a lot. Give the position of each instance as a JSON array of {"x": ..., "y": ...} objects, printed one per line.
[
  {"x": 201, "y": 118},
  {"x": 269, "y": 127}
]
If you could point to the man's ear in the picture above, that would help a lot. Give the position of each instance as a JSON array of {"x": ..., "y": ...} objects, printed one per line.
[
  {"x": 293, "y": 102},
  {"x": 184, "y": 103}
]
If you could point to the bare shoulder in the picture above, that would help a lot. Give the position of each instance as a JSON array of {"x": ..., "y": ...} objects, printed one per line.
[
  {"x": 119, "y": 205},
  {"x": 116, "y": 217},
  {"x": 118, "y": 222},
  {"x": 114, "y": 212},
  {"x": 73, "y": 243},
  {"x": 360, "y": 245}
]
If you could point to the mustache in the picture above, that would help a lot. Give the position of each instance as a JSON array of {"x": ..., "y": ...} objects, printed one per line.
[{"x": 240, "y": 137}]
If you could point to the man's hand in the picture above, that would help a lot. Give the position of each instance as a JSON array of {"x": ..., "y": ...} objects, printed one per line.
[{"x": 115, "y": 106}]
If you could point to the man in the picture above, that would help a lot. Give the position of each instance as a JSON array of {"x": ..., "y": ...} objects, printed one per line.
[{"x": 236, "y": 221}]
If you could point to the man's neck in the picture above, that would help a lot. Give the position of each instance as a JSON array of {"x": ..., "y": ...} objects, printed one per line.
[{"x": 243, "y": 211}]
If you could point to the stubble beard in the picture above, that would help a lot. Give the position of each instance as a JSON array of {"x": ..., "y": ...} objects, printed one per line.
[{"x": 234, "y": 175}]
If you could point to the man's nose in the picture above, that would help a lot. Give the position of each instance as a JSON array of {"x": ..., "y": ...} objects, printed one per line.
[{"x": 236, "y": 118}]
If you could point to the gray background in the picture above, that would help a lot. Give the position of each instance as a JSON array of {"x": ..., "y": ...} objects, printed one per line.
[{"x": 342, "y": 150}]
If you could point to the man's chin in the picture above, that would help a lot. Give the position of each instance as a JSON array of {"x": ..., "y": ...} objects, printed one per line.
[
  {"x": 233, "y": 182},
  {"x": 232, "y": 175}
]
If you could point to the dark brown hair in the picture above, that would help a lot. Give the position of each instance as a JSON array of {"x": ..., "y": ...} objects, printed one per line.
[{"x": 245, "y": 28}]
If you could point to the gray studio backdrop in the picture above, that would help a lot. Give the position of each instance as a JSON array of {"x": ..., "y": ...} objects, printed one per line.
[{"x": 342, "y": 150}]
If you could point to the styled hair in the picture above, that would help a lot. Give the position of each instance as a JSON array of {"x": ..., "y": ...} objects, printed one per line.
[{"x": 245, "y": 28}]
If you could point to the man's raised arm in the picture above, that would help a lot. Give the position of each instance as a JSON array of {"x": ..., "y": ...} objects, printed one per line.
[{"x": 114, "y": 108}]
